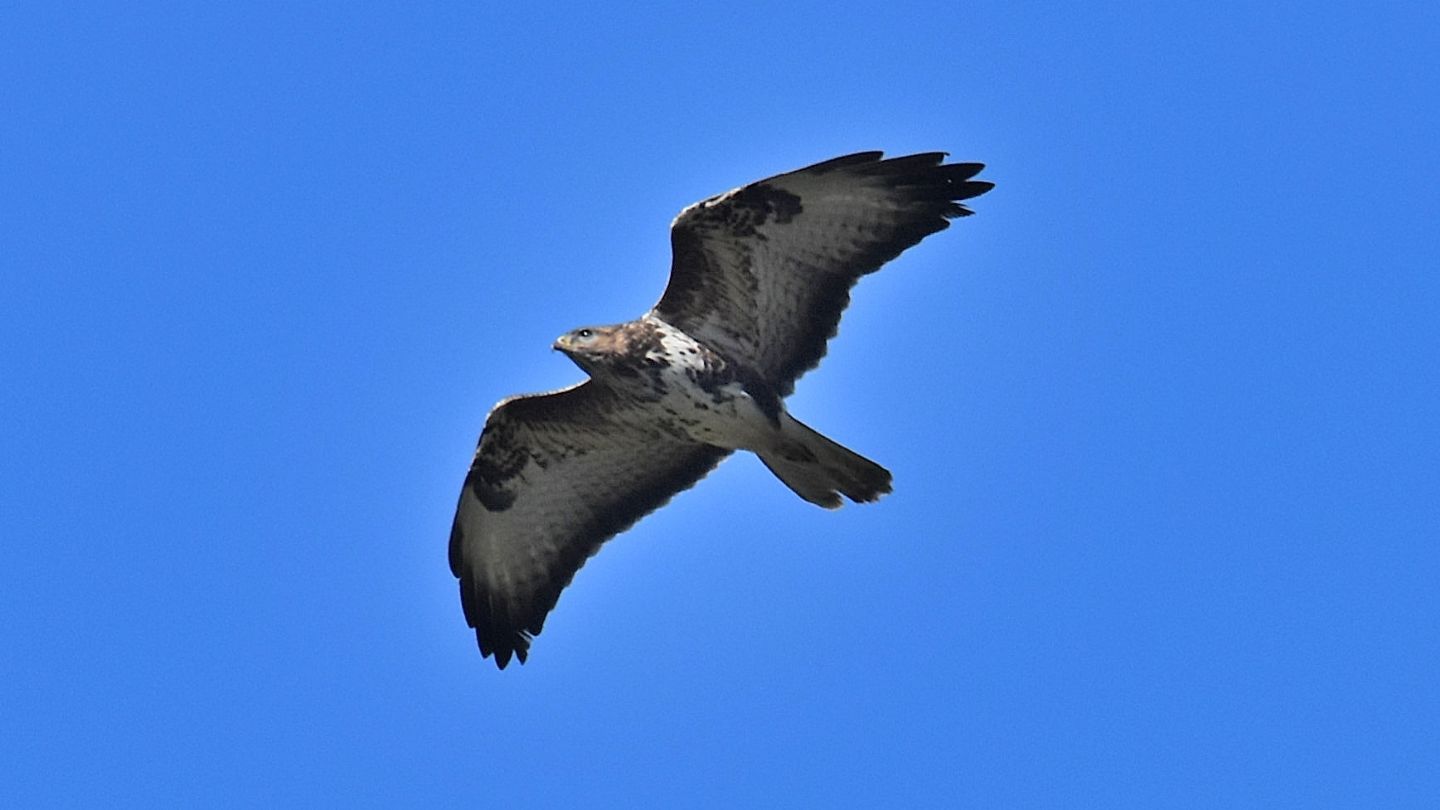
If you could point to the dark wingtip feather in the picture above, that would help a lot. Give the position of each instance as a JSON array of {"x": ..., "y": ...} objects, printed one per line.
[
  {"x": 959, "y": 172},
  {"x": 972, "y": 188},
  {"x": 517, "y": 646},
  {"x": 502, "y": 657},
  {"x": 924, "y": 178},
  {"x": 966, "y": 191},
  {"x": 492, "y": 640}
]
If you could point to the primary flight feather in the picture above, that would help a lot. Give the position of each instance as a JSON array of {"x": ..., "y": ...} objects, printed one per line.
[{"x": 758, "y": 280}]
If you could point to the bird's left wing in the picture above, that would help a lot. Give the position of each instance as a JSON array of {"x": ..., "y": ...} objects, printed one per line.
[
  {"x": 554, "y": 477},
  {"x": 763, "y": 272}
]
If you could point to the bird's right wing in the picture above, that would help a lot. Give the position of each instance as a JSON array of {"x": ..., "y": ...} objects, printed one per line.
[{"x": 555, "y": 476}]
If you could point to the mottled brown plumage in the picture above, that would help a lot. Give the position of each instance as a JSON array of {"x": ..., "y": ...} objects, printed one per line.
[{"x": 759, "y": 279}]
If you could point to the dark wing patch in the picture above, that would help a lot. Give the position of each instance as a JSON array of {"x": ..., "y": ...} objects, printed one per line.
[
  {"x": 554, "y": 477},
  {"x": 764, "y": 272}
]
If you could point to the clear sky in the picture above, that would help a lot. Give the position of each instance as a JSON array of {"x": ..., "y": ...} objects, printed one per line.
[{"x": 1162, "y": 415}]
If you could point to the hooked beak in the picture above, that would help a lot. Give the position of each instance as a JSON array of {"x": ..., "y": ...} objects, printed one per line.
[{"x": 561, "y": 344}]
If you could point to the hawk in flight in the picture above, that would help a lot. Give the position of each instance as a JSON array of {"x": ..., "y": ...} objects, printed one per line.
[{"x": 758, "y": 280}]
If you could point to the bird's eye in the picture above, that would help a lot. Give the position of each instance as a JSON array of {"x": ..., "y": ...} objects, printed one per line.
[{"x": 585, "y": 334}]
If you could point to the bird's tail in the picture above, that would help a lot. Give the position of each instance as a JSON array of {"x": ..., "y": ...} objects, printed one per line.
[{"x": 819, "y": 470}]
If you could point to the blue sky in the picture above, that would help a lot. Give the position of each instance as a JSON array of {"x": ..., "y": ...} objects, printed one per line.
[{"x": 1161, "y": 416}]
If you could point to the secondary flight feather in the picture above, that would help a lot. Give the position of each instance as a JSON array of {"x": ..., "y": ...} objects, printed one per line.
[{"x": 758, "y": 280}]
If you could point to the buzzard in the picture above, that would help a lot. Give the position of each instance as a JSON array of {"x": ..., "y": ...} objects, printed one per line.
[{"x": 758, "y": 280}]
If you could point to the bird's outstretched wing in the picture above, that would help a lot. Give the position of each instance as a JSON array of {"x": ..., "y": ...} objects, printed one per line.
[
  {"x": 763, "y": 272},
  {"x": 554, "y": 477}
]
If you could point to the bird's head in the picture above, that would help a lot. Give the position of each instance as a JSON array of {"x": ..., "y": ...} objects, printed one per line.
[{"x": 588, "y": 346}]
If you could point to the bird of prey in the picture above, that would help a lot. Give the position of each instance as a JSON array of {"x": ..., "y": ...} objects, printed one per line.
[{"x": 758, "y": 280}]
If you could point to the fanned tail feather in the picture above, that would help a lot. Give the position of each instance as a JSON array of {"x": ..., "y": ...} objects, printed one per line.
[{"x": 820, "y": 470}]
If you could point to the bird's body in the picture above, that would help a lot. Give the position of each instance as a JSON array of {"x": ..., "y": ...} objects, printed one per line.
[
  {"x": 760, "y": 277},
  {"x": 650, "y": 362},
  {"x": 691, "y": 392}
]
